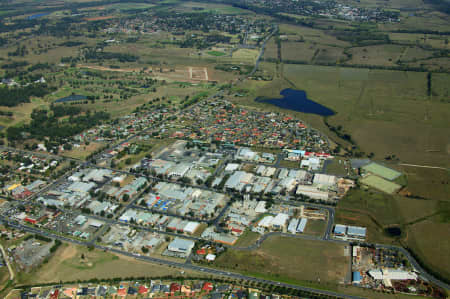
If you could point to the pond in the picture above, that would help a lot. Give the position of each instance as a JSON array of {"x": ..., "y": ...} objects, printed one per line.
[
  {"x": 71, "y": 98},
  {"x": 297, "y": 100},
  {"x": 393, "y": 231},
  {"x": 38, "y": 15}
]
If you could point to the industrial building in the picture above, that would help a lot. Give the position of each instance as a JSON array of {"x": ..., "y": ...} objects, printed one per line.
[
  {"x": 182, "y": 246},
  {"x": 349, "y": 232}
]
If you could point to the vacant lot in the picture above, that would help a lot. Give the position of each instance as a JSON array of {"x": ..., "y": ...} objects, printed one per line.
[
  {"x": 315, "y": 227},
  {"x": 67, "y": 265},
  {"x": 247, "y": 238},
  {"x": 289, "y": 259},
  {"x": 83, "y": 151}
]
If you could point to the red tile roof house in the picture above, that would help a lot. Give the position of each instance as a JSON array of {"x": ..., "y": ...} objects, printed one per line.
[
  {"x": 54, "y": 295},
  {"x": 207, "y": 286},
  {"x": 175, "y": 287},
  {"x": 30, "y": 220},
  {"x": 143, "y": 290},
  {"x": 122, "y": 291}
]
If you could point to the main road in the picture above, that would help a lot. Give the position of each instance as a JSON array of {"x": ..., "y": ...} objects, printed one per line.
[{"x": 188, "y": 266}]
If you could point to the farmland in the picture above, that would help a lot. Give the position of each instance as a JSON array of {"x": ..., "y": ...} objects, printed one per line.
[{"x": 391, "y": 115}]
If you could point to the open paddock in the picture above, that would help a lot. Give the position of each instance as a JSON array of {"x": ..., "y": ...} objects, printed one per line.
[
  {"x": 429, "y": 240},
  {"x": 311, "y": 35},
  {"x": 271, "y": 51},
  {"x": 304, "y": 51},
  {"x": 383, "y": 55},
  {"x": 245, "y": 55}
]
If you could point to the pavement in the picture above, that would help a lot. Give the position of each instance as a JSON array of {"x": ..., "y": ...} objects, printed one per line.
[{"x": 5, "y": 257}]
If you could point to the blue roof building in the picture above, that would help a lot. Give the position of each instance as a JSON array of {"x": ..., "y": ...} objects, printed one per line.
[{"x": 356, "y": 277}]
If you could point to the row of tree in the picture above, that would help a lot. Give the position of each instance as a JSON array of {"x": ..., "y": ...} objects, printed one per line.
[{"x": 13, "y": 96}]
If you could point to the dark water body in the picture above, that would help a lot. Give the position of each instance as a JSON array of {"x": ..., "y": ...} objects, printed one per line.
[
  {"x": 38, "y": 15},
  {"x": 297, "y": 100},
  {"x": 393, "y": 231},
  {"x": 71, "y": 98}
]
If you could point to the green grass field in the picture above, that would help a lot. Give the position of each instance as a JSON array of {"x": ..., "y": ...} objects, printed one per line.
[
  {"x": 380, "y": 184},
  {"x": 382, "y": 171},
  {"x": 216, "y": 53}
]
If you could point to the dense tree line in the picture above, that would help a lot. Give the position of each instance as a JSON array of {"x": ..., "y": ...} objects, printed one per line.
[
  {"x": 361, "y": 37},
  {"x": 45, "y": 124},
  {"x": 13, "y": 96},
  {"x": 93, "y": 54},
  {"x": 63, "y": 110},
  {"x": 218, "y": 38},
  {"x": 39, "y": 66},
  {"x": 361, "y": 66},
  {"x": 71, "y": 43},
  {"x": 14, "y": 65},
  {"x": 17, "y": 25}
]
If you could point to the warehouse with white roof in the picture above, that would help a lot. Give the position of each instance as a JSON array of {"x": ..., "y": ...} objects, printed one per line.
[{"x": 191, "y": 227}]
